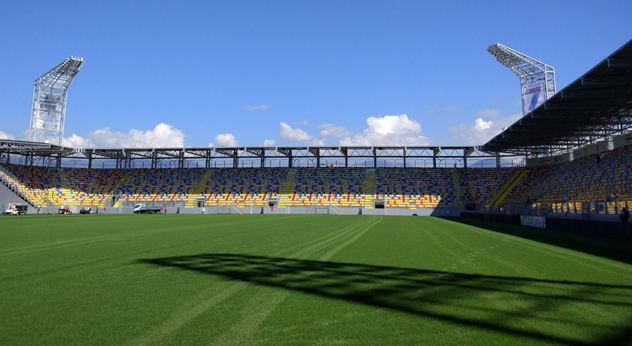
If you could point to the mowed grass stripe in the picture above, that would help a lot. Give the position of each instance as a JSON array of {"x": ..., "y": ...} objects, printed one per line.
[
  {"x": 484, "y": 298},
  {"x": 207, "y": 300},
  {"x": 302, "y": 279},
  {"x": 223, "y": 231},
  {"x": 129, "y": 230},
  {"x": 182, "y": 244},
  {"x": 556, "y": 253},
  {"x": 262, "y": 304}
]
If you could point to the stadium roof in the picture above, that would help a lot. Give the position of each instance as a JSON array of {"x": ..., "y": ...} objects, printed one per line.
[
  {"x": 124, "y": 157},
  {"x": 596, "y": 106}
]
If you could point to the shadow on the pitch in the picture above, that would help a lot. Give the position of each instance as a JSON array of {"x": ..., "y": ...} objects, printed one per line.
[
  {"x": 614, "y": 249},
  {"x": 521, "y": 307}
]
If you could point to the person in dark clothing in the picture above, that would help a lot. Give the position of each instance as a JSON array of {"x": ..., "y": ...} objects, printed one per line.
[{"x": 624, "y": 215}]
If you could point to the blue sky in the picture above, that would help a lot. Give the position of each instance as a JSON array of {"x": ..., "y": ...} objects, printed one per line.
[{"x": 292, "y": 73}]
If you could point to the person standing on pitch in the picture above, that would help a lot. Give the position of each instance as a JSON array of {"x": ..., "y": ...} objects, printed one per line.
[{"x": 624, "y": 215}]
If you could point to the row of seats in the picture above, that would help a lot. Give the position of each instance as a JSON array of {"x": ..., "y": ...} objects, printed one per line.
[
  {"x": 250, "y": 186},
  {"x": 584, "y": 179},
  {"x": 239, "y": 199},
  {"x": 481, "y": 185},
  {"x": 160, "y": 184},
  {"x": 315, "y": 186},
  {"x": 323, "y": 199},
  {"x": 415, "y": 187},
  {"x": 32, "y": 182},
  {"x": 579, "y": 180},
  {"x": 335, "y": 186}
]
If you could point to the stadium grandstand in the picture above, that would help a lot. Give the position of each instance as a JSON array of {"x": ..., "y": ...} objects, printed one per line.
[{"x": 568, "y": 157}]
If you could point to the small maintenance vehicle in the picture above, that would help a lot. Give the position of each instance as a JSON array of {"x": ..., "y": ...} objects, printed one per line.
[
  {"x": 16, "y": 209},
  {"x": 141, "y": 208}
]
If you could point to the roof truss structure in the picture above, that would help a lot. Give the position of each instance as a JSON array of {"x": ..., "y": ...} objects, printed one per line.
[{"x": 235, "y": 157}]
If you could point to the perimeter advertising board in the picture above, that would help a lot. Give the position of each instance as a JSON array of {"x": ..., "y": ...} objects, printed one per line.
[{"x": 535, "y": 221}]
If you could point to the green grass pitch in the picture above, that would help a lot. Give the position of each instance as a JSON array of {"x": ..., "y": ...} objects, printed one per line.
[{"x": 307, "y": 280}]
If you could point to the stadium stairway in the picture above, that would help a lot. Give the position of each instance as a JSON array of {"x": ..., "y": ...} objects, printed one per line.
[
  {"x": 457, "y": 190},
  {"x": 63, "y": 180},
  {"x": 502, "y": 195},
  {"x": 369, "y": 189},
  {"x": 287, "y": 189},
  {"x": 65, "y": 189},
  {"x": 197, "y": 192},
  {"x": 115, "y": 189}
]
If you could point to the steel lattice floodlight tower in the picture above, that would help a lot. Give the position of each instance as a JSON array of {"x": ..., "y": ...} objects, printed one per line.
[
  {"x": 48, "y": 110},
  {"x": 537, "y": 79}
]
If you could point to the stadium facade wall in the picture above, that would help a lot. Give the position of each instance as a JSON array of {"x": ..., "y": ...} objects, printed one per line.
[
  {"x": 589, "y": 224},
  {"x": 591, "y": 149},
  {"x": 504, "y": 218},
  {"x": 280, "y": 211},
  {"x": 598, "y": 228},
  {"x": 8, "y": 196},
  {"x": 622, "y": 140},
  {"x": 549, "y": 160}
]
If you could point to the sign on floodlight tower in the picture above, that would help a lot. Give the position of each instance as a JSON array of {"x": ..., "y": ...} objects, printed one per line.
[
  {"x": 537, "y": 79},
  {"x": 48, "y": 110}
]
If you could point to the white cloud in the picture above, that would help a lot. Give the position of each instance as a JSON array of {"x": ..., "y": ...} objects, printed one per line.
[
  {"x": 396, "y": 130},
  {"x": 482, "y": 125},
  {"x": 226, "y": 140},
  {"x": 301, "y": 122},
  {"x": 331, "y": 130},
  {"x": 269, "y": 143},
  {"x": 481, "y": 131},
  {"x": 288, "y": 134},
  {"x": 4, "y": 135},
  {"x": 259, "y": 107},
  {"x": 450, "y": 108},
  {"x": 316, "y": 142},
  {"x": 162, "y": 136},
  {"x": 210, "y": 145},
  {"x": 487, "y": 113},
  {"x": 75, "y": 141}
]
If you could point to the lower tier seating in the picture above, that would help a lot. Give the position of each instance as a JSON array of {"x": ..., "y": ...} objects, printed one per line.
[
  {"x": 335, "y": 186},
  {"x": 415, "y": 187}
]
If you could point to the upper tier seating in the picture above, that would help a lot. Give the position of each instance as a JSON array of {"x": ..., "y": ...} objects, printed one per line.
[{"x": 415, "y": 187}]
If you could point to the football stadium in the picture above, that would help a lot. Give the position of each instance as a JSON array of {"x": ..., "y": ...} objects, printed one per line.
[{"x": 516, "y": 241}]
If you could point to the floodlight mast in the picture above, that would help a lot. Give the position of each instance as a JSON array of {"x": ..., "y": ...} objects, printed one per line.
[
  {"x": 537, "y": 79},
  {"x": 48, "y": 109}
]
